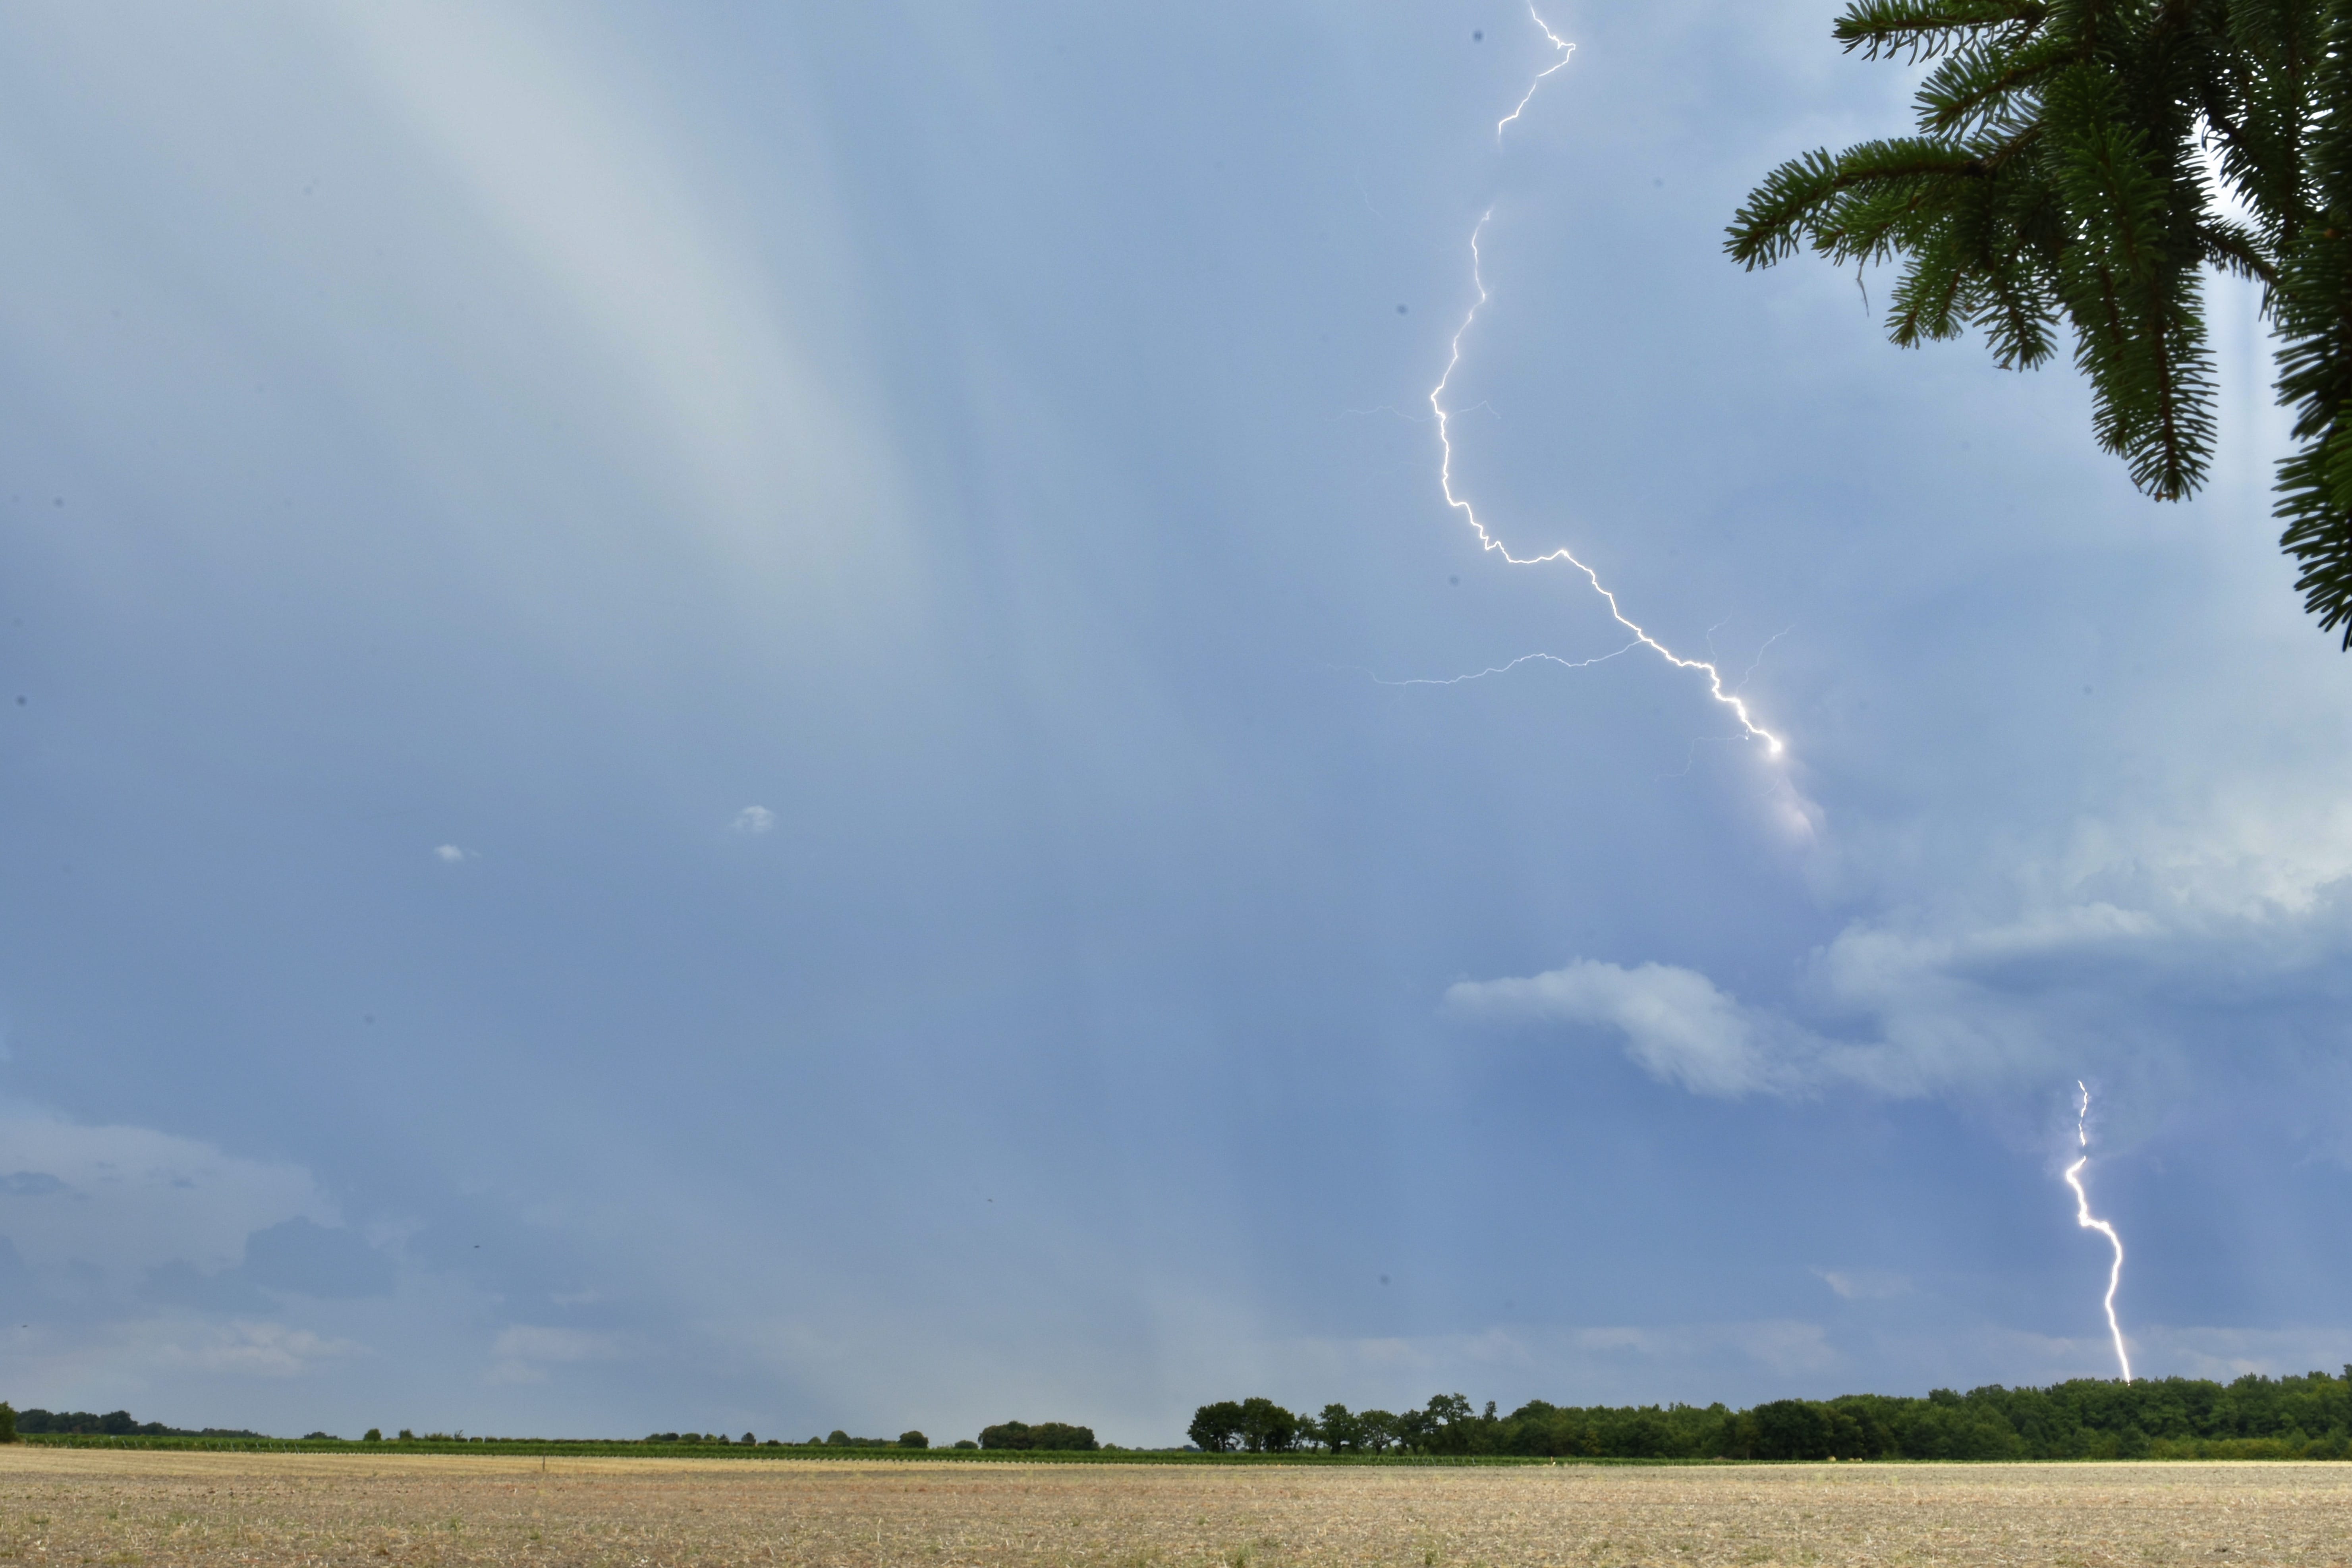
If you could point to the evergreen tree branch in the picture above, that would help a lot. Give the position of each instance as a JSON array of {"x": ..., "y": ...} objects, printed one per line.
[
  {"x": 1978, "y": 83},
  {"x": 1921, "y": 29},
  {"x": 2229, "y": 246},
  {"x": 1787, "y": 209},
  {"x": 2314, "y": 317},
  {"x": 2061, "y": 172},
  {"x": 2143, "y": 347}
]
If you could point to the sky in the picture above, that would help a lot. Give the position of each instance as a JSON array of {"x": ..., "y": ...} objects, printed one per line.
[{"x": 731, "y": 717}]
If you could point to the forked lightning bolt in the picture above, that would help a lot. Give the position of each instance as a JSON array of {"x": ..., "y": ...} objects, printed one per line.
[
  {"x": 1486, "y": 540},
  {"x": 1565, "y": 50},
  {"x": 2088, "y": 1221}
]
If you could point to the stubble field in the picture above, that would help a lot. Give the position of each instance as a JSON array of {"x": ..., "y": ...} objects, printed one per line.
[{"x": 130, "y": 1508}]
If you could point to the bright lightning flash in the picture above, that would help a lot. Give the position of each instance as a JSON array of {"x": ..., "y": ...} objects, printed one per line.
[
  {"x": 2088, "y": 1221},
  {"x": 1565, "y": 50},
  {"x": 1487, "y": 541}
]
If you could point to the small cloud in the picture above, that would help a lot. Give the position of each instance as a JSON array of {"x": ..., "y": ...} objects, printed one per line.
[
  {"x": 1676, "y": 1024},
  {"x": 450, "y": 855},
  {"x": 1779, "y": 1344},
  {"x": 312, "y": 1259},
  {"x": 526, "y": 1341},
  {"x": 264, "y": 1349},
  {"x": 524, "y": 1351},
  {"x": 1864, "y": 1284},
  {"x": 753, "y": 819},
  {"x": 108, "y": 1204}
]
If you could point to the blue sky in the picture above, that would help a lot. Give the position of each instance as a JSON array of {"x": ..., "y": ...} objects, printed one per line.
[{"x": 712, "y": 738}]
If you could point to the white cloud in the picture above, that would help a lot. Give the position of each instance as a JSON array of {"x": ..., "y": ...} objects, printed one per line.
[
  {"x": 1676, "y": 1024},
  {"x": 450, "y": 855},
  {"x": 1601, "y": 1363},
  {"x": 2108, "y": 951},
  {"x": 104, "y": 1204},
  {"x": 525, "y": 1350},
  {"x": 1864, "y": 1284},
  {"x": 1779, "y": 1345},
  {"x": 262, "y": 1350},
  {"x": 753, "y": 819},
  {"x": 524, "y": 1341}
]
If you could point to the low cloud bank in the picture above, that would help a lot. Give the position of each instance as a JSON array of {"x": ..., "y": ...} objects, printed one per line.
[{"x": 2159, "y": 956}]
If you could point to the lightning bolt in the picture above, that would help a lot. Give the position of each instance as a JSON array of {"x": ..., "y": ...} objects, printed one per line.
[
  {"x": 1728, "y": 696},
  {"x": 1566, "y": 49},
  {"x": 2089, "y": 1221},
  {"x": 1507, "y": 668}
]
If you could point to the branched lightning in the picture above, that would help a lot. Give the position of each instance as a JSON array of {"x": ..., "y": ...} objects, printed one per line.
[
  {"x": 1728, "y": 697},
  {"x": 1442, "y": 416},
  {"x": 1523, "y": 659},
  {"x": 2089, "y": 1221},
  {"x": 1486, "y": 540},
  {"x": 1750, "y": 673},
  {"x": 1567, "y": 50}
]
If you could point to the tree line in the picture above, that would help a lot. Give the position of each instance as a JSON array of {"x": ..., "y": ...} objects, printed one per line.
[
  {"x": 2308, "y": 1416},
  {"x": 113, "y": 1423},
  {"x": 1055, "y": 1436},
  {"x": 836, "y": 1438}
]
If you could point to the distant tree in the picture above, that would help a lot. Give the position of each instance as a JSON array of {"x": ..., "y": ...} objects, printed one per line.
[
  {"x": 1413, "y": 1429},
  {"x": 1341, "y": 1432},
  {"x": 1444, "y": 1427},
  {"x": 2254, "y": 1417},
  {"x": 1054, "y": 1437},
  {"x": 836, "y": 1438},
  {"x": 1449, "y": 1409},
  {"x": 1007, "y": 1435},
  {"x": 913, "y": 1440},
  {"x": 406, "y": 1436},
  {"x": 965, "y": 1443},
  {"x": 1267, "y": 1427},
  {"x": 8, "y": 1422},
  {"x": 373, "y": 1435},
  {"x": 2066, "y": 165},
  {"x": 113, "y": 1423},
  {"x": 1217, "y": 1428},
  {"x": 749, "y": 1441}
]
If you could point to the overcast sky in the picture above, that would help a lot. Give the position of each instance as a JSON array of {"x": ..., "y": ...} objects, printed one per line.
[{"x": 737, "y": 716}]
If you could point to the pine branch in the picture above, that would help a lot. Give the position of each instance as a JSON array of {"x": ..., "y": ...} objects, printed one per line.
[
  {"x": 2229, "y": 246},
  {"x": 1980, "y": 83},
  {"x": 1922, "y": 29},
  {"x": 1924, "y": 301},
  {"x": 2314, "y": 317},
  {"x": 1787, "y": 210},
  {"x": 2061, "y": 172}
]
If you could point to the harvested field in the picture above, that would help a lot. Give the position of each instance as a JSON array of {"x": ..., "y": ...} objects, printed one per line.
[{"x": 64, "y": 1506}]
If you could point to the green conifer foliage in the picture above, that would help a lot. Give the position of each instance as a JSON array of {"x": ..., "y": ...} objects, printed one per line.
[{"x": 2061, "y": 176}]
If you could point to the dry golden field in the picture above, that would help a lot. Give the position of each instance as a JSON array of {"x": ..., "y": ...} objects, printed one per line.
[{"x": 82, "y": 1505}]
